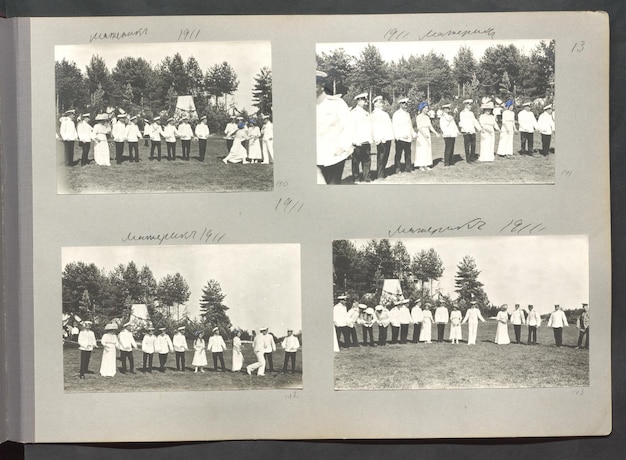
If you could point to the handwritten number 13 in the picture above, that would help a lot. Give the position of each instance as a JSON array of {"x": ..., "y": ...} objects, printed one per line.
[{"x": 578, "y": 46}]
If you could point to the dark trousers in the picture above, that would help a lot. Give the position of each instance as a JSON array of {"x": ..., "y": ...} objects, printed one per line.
[
  {"x": 558, "y": 335},
  {"x": 202, "y": 148},
  {"x": 353, "y": 337},
  {"x": 345, "y": 332},
  {"x": 332, "y": 174},
  {"x": 441, "y": 327},
  {"x": 68, "y": 147},
  {"x": 127, "y": 355},
  {"x": 382, "y": 335},
  {"x": 218, "y": 355},
  {"x": 186, "y": 146},
  {"x": 368, "y": 332},
  {"x": 584, "y": 334},
  {"x": 545, "y": 144},
  {"x": 403, "y": 147},
  {"x": 290, "y": 356},
  {"x": 404, "y": 332},
  {"x": 133, "y": 147},
  {"x": 532, "y": 334},
  {"x": 417, "y": 328},
  {"x": 469, "y": 142},
  {"x": 147, "y": 362},
  {"x": 382, "y": 155},
  {"x": 171, "y": 150},
  {"x": 155, "y": 145},
  {"x": 85, "y": 356},
  {"x": 180, "y": 361},
  {"x": 162, "y": 361},
  {"x": 518, "y": 332},
  {"x": 395, "y": 331},
  {"x": 361, "y": 157},
  {"x": 448, "y": 150},
  {"x": 527, "y": 142},
  {"x": 84, "y": 160},
  {"x": 119, "y": 152},
  {"x": 229, "y": 144},
  {"x": 269, "y": 364}
]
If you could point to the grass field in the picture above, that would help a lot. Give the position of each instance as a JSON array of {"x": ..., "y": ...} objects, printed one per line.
[
  {"x": 516, "y": 169},
  {"x": 447, "y": 366},
  {"x": 211, "y": 175},
  {"x": 172, "y": 380}
]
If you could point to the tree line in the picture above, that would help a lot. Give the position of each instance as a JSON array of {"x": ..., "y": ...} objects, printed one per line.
[
  {"x": 141, "y": 88},
  {"x": 95, "y": 294},
  {"x": 359, "y": 273},
  {"x": 503, "y": 71}
]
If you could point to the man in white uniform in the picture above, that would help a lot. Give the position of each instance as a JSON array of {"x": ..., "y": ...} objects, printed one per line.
[
  {"x": 557, "y": 321},
  {"x": 127, "y": 343},
  {"x": 442, "y": 316},
  {"x": 202, "y": 133},
  {"x": 163, "y": 346},
  {"x": 268, "y": 139},
  {"x": 290, "y": 344},
  {"x": 417, "y": 316},
  {"x": 86, "y": 343},
  {"x": 404, "y": 133},
  {"x": 340, "y": 319},
  {"x": 217, "y": 347},
  {"x": 394, "y": 320},
  {"x": 84, "y": 131},
  {"x": 270, "y": 347},
  {"x": 68, "y": 134},
  {"x": 362, "y": 140},
  {"x": 546, "y": 128},
  {"x": 533, "y": 321},
  {"x": 517, "y": 318},
  {"x": 382, "y": 134},
  {"x": 527, "y": 127},
  {"x": 334, "y": 134},
  {"x": 258, "y": 346},
  {"x": 472, "y": 316},
  {"x": 382, "y": 319},
  {"x": 147, "y": 347},
  {"x": 117, "y": 132},
  {"x": 469, "y": 125},
  {"x": 180, "y": 347}
]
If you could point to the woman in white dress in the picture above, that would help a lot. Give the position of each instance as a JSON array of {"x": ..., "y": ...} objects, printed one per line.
[
  {"x": 502, "y": 331},
  {"x": 238, "y": 153},
  {"x": 427, "y": 322},
  {"x": 110, "y": 344},
  {"x": 505, "y": 144},
  {"x": 237, "y": 354},
  {"x": 423, "y": 149},
  {"x": 455, "y": 325},
  {"x": 488, "y": 132},
  {"x": 100, "y": 139},
  {"x": 254, "y": 142},
  {"x": 199, "y": 355}
]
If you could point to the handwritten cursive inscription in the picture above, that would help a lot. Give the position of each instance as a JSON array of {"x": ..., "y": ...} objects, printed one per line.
[
  {"x": 477, "y": 223},
  {"x": 118, "y": 35},
  {"x": 490, "y": 32},
  {"x": 206, "y": 236}
]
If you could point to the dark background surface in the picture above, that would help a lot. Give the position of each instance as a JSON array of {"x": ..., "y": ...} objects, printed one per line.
[{"x": 554, "y": 448}]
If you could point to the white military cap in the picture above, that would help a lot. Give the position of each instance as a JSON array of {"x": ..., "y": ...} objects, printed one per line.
[
  {"x": 377, "y": 98},
  {"x": 446, "y": 106},
  {"x": 360, "y": 96},
  {"x": 404, "y": 100},
  {"x": 526, "y": 104},
  {"x": 468, "y": 101},
  {"x": 181, "y": 328},
  {"x": 549, "y": 106}
]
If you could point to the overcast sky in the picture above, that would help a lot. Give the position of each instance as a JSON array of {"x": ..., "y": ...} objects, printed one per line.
[
  {"x": 246, "y": 58},
  {"x": 393, "y": 51},
  {"x": 261, "y": 282},
  {"x": 538, "y": 270}
]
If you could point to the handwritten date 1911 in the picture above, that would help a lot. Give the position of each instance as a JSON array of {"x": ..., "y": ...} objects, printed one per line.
[
  {"x": 519, "y": 226},
  {"x": 287, "y": 205},
  {"x": 188, "y": 34}
]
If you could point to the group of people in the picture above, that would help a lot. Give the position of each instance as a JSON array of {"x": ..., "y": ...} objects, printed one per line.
[
  {"x": 399, "y": 317},
  {"x": 245, "y": 142},
  {"x": 162, "y": 344},
  {"x": 343, "y": 133}
]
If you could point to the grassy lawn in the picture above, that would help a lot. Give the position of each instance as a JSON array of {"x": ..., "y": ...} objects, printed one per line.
[
  {"x": 448, "y": 366},
  {"x": 212, "y": 175},
  {"x": 515, "y": 169},
  {"x": 172, "y": 380}
]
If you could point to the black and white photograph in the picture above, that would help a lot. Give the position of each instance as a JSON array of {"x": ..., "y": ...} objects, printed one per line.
[
  {"x": 164, "y": 117},
  {"x": 454, "y": 313},
  {"x": 466, "y": 112},
  {"x": 181, "y": 318}
]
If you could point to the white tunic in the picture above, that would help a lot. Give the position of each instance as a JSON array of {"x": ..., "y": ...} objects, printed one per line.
[
  {"x": 334, "y": 130},
  {"x": 202, "y": 131},
  {"x": 180, "y": 342},
  {"x": 147, "y": 344},
  {"x": 402, "y": 126},
  {"x": 86, "y": 340},
  {"x": 382, "y": 129},
  {"x": 127, "y": 341},
  {"x": 546, "y": 124}
]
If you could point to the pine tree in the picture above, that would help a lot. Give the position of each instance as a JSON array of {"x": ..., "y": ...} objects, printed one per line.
[
  {"x": 467, "y": 284},
  {"x": 212, "y": 308},
  {"x": 262, "y": 92},
  {"x": 427, "y": 267}
]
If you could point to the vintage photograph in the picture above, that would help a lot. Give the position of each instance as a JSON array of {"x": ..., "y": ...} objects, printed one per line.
[
  {"x": 451, "y": 313},
  {"x": 473, "y": 111},
  {"x": 164, "y": 117},
  {"x": 177, "y": 318}
]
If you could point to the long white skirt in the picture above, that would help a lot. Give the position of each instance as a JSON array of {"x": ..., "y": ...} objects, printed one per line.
[
  {"x": 101, "y": 153},
  {"x": 108, "y": 366},
  {"x": 268, "y": 151},
  {"x": 423, "y": 151},
  {"x": 254, "y": 149},
  {"x": 426, "y": 332},
  {"x": 455, "y": 332},
  {"x": 487, "y": 144},
  {"x": 237, "y": 360},
  {"x": 502, "y": 334},
  {"x": 237, "y": 153},
  {"x": 199, "y": 358},
  {"x": 505, "y": 144}
]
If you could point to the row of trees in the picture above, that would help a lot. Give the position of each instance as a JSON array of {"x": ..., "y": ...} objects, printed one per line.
[
  {"x": 139, "y": 87},
  {"x": 95, "y": 294},
  {"x": 503, "y": 71},
  {"x": 359, "y": 273}
]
